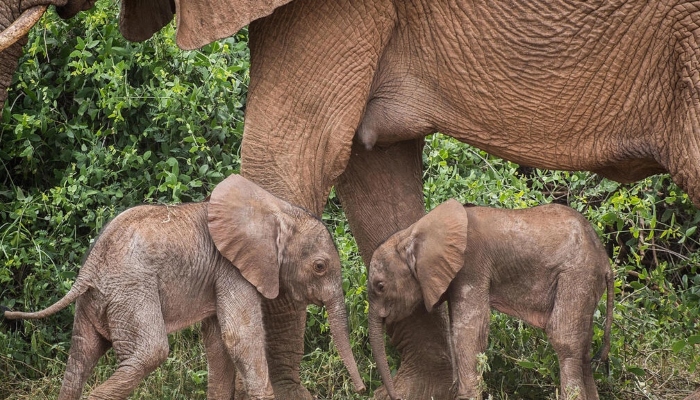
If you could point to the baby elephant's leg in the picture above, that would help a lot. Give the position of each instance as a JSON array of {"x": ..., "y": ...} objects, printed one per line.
[
  {"x": 87, "y": 346},
  {"x": 240, "y": 318},
  {"x": 222, "y": 383},
  {"x": 570, "y": 330},
  {"x": 469, "y": 329},
  {"x": 140, "y": 343}
]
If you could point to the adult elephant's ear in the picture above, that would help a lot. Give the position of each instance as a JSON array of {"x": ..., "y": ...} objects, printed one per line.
[
  {"x": 250, "y": 227},
  {"x": 434, "y": 249},
  {"x": 140, "y": 19},
  {"x": 199, "y": 22}
]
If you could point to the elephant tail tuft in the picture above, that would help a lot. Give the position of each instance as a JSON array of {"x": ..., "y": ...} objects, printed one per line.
[{"x": 12, "y": 325}]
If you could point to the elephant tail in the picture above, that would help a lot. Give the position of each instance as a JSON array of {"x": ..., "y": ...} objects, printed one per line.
[
  {"x": 79, "y": 287},
  {"x": 605, "y": 349}
]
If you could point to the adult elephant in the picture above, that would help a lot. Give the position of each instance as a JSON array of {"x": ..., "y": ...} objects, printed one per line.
[{"x": 343, "y": 92}]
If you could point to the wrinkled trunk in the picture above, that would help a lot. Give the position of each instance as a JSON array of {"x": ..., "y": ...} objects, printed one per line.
[
  {"x": 8, "y": 65},
  {"x": 20, "y": 28},
  {"x": 376, "y": 341},
  {"x": 13, "y": 35},
  {"x": 338, "y": 320}
]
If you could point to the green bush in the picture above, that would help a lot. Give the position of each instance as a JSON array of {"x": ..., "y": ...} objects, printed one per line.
[
  {"x": 650, "y": 232},
  {"x": 95, "y": 124}
]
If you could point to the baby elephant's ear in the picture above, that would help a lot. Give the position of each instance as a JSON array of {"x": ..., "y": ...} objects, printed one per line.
[
  {"x": 436, "y": 246},
  {"x": 249, "y": 227}
]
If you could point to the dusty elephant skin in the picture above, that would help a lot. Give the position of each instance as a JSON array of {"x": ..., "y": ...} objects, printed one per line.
[
  {"x": 544, "y": 265},
  {"x": 156, "y": 269},
  {"x": 604, "y": 86},
  {"x": 343, "y": 92}
]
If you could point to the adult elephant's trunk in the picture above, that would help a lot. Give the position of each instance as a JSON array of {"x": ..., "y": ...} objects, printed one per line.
[
  {"x": 12, "y": 37},
  {"x": 376, "y": 340},
  {"x": 21, "y": 26},
  {"x": 338, "y": 320}
]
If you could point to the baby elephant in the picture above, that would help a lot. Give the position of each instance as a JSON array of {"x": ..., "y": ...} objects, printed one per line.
[
  {"x": 544, "y": 265},
  {"x": 156, "y": 269}
]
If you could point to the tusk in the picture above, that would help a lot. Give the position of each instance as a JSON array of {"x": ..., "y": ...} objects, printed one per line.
[{"x": 21, "y": 26}]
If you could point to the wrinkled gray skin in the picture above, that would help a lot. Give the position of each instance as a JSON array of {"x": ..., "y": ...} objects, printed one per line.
[
  {"x": 156, "y": 269},
  {"x": 544, "y": 265}
]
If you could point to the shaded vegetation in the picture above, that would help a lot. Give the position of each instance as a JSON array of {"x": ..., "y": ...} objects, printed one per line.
[{"x": 95, "y": 124}]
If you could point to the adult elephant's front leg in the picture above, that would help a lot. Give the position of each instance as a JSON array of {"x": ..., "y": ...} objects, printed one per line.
[
  {"x": 382, "y": 191},
  {"x": 284, "y": 326}
]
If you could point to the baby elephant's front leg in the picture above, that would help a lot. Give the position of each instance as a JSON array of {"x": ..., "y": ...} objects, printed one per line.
[
  {"x": 469, "y": 326},
  {"x": 222, "y": 371},
  {"x": 242, "y": 332}
]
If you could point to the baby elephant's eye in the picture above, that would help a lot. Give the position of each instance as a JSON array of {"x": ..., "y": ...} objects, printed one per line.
[{"x": 319, "y": 267}]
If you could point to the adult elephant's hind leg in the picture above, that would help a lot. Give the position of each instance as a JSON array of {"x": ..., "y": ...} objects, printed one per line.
[{"x": 382, "y": 191}]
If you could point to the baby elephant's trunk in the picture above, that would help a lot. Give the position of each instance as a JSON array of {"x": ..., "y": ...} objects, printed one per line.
[
  {"x": 338, "y": 320},
  {"x": 376, "y": 341}
]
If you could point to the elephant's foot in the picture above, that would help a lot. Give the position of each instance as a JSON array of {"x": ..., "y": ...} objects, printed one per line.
[
  {"x": 420, "y": 383},
  {"x": 426, "y": 370},
  {"x": 291, "y": 390}
]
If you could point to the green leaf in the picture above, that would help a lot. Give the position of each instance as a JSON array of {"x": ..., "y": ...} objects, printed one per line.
[
  {"x": 527, "y": 364},
  {"x": 678, "y": 346}
]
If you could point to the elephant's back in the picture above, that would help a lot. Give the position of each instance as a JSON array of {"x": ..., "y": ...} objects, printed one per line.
[
  {"x": 156, "y": 236},
  {"x": 528, "y": 234}
]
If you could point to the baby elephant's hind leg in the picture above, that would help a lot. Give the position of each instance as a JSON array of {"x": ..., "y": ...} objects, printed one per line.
[
  {"x": 140, "y": 343},
  {"x": 570, "y": 330},
  {"x": 87, "y": 346}
]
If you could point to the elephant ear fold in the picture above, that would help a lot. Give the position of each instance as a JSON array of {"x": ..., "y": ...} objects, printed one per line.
[
  {"x": 140, "y": 19},
  {"x": 434, "y": 249},
  {"x": 200, "y": 22},
  {"x": 250, "y": 227}
]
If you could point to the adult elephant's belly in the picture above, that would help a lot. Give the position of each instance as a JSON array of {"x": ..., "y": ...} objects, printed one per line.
[
  {"x": 572, "y": 93},
  {"x": 576, "y": 94}
]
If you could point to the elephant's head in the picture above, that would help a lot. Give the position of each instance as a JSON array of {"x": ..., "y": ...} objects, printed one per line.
[
  {"x": 283, "y": 250},
  {"x": 414, "y": 265}
]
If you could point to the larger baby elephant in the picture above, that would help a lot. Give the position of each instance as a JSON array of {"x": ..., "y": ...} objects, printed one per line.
[
  {"x": 156, "y": 269},
  {"x": 544, "y": 265}
]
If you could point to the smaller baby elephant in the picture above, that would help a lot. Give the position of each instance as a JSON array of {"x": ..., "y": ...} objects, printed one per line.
[
  {"x": 544, "y": 265},
  {"x": 156, "y": 269}
]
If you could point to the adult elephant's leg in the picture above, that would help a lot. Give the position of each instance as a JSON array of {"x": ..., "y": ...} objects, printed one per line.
[
  {"x": 382, "y": 191},
  {"x": 312, "y": 65},
  {"x": 283, "y": 321}
]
